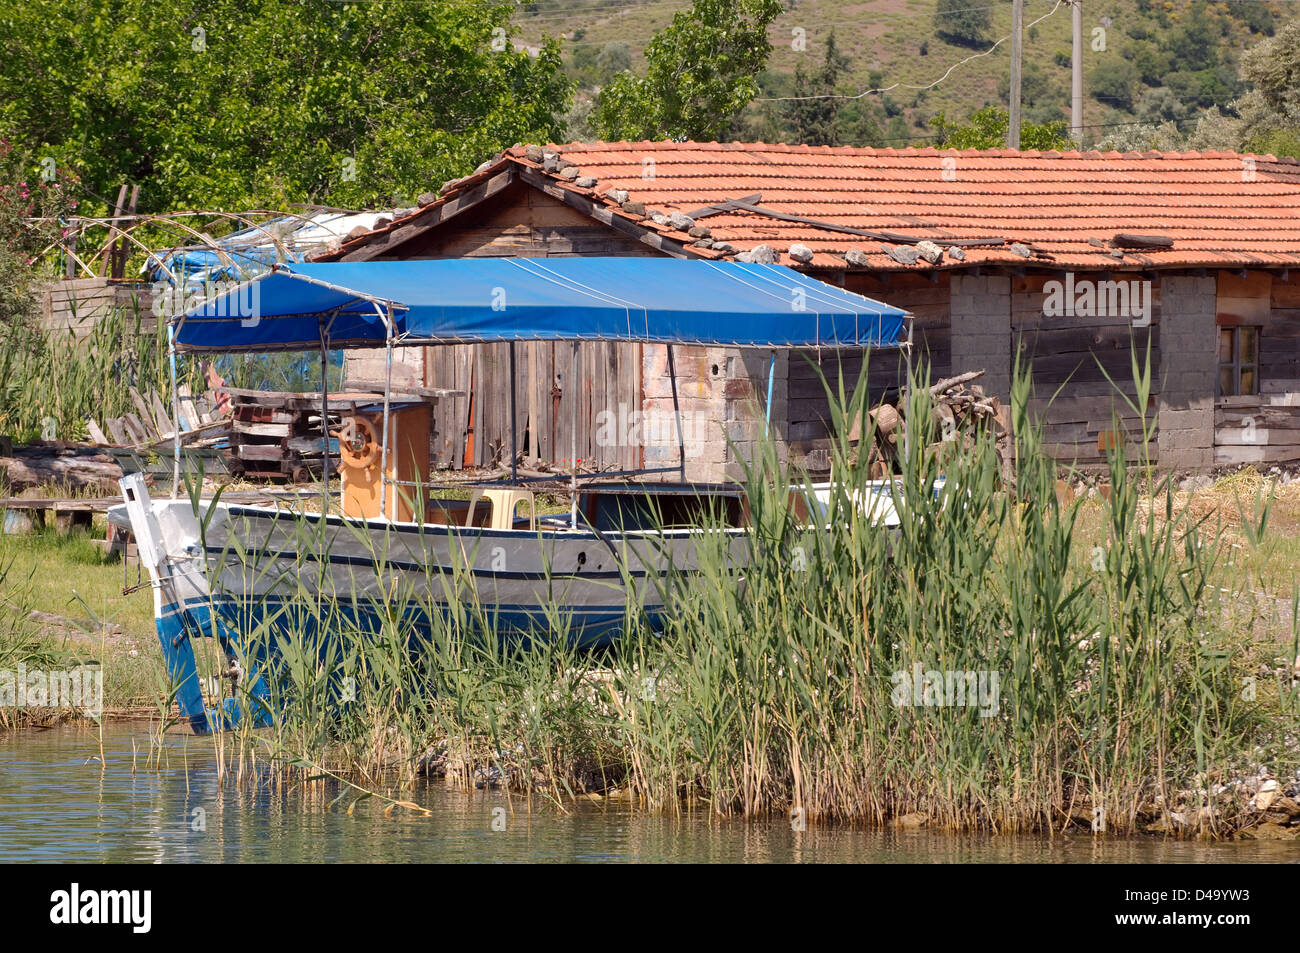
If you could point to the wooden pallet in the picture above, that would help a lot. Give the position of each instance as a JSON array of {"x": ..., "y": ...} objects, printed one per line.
[{"x": 276, "y": 435}]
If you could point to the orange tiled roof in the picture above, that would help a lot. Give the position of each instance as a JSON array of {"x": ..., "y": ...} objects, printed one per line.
[{"x": 1063, "y": 208}]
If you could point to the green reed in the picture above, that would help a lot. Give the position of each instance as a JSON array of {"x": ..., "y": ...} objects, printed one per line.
[
  {"x": 1059, "y": 682},
  {"x": 65, "y": 377}
]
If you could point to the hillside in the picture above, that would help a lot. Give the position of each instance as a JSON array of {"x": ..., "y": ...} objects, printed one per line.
[{"x": 1162, "y": 60}]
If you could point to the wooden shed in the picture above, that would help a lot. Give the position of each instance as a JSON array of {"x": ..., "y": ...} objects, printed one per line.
[{"x": 1070, "y": 260}]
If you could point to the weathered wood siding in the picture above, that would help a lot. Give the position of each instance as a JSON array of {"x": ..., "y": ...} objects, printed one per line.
[
  {"x": 1081, "y": 365},
  {"x": 522, "y": 222},
  {"x": 1264, "y": 428},
  {"x": 804, "y": 420},
  {"x": 76, "y": 305}
]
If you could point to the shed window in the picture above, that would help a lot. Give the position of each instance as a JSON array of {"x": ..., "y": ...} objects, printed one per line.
[{"x": 1238, "y": 361}]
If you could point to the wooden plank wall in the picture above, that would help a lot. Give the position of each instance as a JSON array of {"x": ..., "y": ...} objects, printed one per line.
[
  {"x": 76, "y": 305},
  {"x": 522, "y": 222},
  {"x": 806, "y": 427},
  {"x": 1074, "y": 355},
  {"x": 1263, "y": 429}
]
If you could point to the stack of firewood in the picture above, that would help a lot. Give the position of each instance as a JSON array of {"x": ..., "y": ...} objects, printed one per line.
[{"x": 961, "y": 410}]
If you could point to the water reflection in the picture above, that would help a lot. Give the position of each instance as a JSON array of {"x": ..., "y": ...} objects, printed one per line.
[{"x": 57, "y": 805}]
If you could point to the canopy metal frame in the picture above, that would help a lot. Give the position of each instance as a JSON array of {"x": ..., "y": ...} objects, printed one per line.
[{"x": 387, "y": 310}]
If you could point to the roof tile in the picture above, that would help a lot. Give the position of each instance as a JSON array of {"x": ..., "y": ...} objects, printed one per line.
[
  {"x": 1212, "y": 204},
  {"x": 1220, "y": 208}
]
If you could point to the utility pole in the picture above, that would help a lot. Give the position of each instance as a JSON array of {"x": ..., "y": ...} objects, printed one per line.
[
  {"x": 1017, "y": 18},
  {"x": 1076, "y": 73}
]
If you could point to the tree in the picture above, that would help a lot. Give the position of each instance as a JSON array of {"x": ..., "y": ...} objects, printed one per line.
[
  {"x": 246, "y": 103},
  {"x": 700, "y": 72},
  {"x": 815, "y": 121},
  {"x": 33, "y": 197},
  {"x": 1152, "y": 137},
  {"x": 961, "y": 22},
  {"x": 614, "y": 58},
  {"x": 987, "y": 129},
  {"x": 1114, "y": 82},
  {"x": 1266, "y": 119}
]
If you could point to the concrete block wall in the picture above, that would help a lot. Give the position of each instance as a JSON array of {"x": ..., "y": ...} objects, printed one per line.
[
  {"x": 745, "y": 405},
  {"x": 1188, "y": 372},
  {"x": 722, "y": 393},
  {"x": 981, "y": 330}
]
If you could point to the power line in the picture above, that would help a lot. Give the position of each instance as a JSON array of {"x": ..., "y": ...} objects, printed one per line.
[
  {"x": 893, "y": 15},
  {"x": 1095, "y": 125},
  {"x": 900, "y": 84}
]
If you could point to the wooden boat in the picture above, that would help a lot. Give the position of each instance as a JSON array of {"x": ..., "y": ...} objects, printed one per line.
[{"x": 225, "y": 571}]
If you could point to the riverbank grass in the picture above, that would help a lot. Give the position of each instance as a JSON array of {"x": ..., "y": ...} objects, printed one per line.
[{"x": 1006, "y": 659}]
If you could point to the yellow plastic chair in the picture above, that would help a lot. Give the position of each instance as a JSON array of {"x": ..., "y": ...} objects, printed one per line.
[{"x": 503, "y": 507}]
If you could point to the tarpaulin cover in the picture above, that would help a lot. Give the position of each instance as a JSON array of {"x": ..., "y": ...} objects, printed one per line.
[{"x": 451, "y": 301}]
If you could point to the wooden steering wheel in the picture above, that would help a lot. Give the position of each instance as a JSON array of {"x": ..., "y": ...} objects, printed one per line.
[{"x": 358, "y": 443}]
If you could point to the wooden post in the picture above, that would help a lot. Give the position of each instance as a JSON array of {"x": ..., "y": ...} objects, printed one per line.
[
  {"x": 70, "y": 251},
  {"x": 112, "y": 232},
  {"x": 176, "y": 412},
  {"x": 388, "y": 392},
  {"x": 121, "y": 251},
  {"x": 771, "y": 381},
  {"x": 573, "y": 439},
  {"x": 514, "y": 421},
  {"x": 1076, "y": 72},
  {"x": 677, "y": 416},
  {"x": 907, "y": 416}
]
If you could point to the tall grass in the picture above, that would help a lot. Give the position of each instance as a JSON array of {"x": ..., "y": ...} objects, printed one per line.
[
  {"x": 1058, "y": 684},
  {"x": 21, "y": 642},
  {"x": 55, "y": 376}
]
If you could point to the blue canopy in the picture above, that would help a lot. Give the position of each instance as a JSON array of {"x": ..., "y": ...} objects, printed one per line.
[{"x": 452, "y": 301}]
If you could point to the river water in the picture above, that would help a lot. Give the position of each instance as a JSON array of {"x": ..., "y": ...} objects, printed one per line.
[{"x": 56, "y": 804}]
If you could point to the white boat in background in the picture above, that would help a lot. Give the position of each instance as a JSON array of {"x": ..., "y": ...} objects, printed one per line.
[{"x": 387, "y": 549}]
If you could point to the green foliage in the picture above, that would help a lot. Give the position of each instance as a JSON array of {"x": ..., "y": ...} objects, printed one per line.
[
  {"x": 961, "y": 22},
  {"x": 1044, "y": 93},
  {"x": 700, "y": 72},
  {"x": 858, "y": 123},
  {"x": 248, "y": 103},
  {"x": 814, "y": 122},
  {"x": 590, "y": 65},
  {"x": 1194, "y": 43},
  {"x": 987, "y": 129},
  {"x": 52, "y": 376},
  {"x": 1114, "y": 82},
  {"x": 1273, "y": 68},
  {"x": 1267, "y": 118},
  {"x": 287, "y": 371},
  {"x": 1115, "y": 681},
  {"x": 1278, "y": 142},
  {"x": 27, "y": 191}
]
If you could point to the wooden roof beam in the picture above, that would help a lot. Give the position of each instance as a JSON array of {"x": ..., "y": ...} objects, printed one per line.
[
  {"x": 431, "y": 217},
  {"x": 605, "y": 216}
]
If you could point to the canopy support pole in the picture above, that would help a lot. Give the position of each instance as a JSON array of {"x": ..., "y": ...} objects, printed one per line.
[
  {"x": 176, "y": 412},
  {"x": 677, "y": 416},
  {"x": 771, "y": 380},
  {"x": 573, "y": 440},
  {"x": 324, "y": 420},
  {"x": 514, "y": 422},
  {"x": 388, "y": 392}
]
